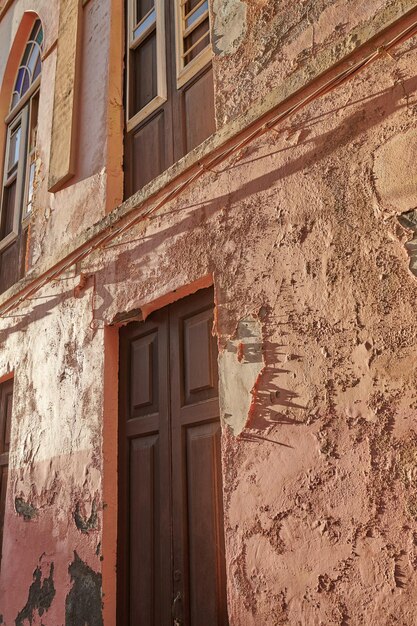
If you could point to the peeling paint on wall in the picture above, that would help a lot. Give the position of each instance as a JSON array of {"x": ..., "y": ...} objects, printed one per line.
[
  {"x": 83, "y": 523},
  {"x": 240, "y": 366},
  {"x": 409, "y": 221},
  {"x": 395, "y": 178},
  {"x": 40, "y": 597},
  {"x": 25, "y": 509},
  {"x": 83, "y": 605},
  {"x": 229, "y": 26}
]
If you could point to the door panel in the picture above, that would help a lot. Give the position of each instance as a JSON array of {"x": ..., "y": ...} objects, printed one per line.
[
  {"x": 144, "y": 530},
  {"x": 6, "y": 406},
  {"x": 205, "y": 539},
  {"x": 145, "y": 72},
  {"x": 144, "y": 375},
  {"x": 173, "y": 544},
  {"x": 198, "y": 356},
  {"x": 198, "y": 541},
  {"x": 3, "y": 495},
  {"x": 9, "y": 266},
  {"x": 144, "y": 561}
]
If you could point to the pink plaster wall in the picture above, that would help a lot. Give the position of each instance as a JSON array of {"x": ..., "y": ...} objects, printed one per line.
[
  {"x": 300, "y": 234},
  {"x": 260, "y": 43}
]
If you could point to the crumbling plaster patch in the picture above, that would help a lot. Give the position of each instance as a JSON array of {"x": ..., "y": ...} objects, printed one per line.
[
  {"x": 289, "y": 41},
  {"x": 83, "y": 602},
  {"x": 229, "y": 25},
  {"x": 240, "y": 365},
  {"x": 409, "y": 221},
  {"x": 40, "y": 595},
  {"x": 395, "y": 173}
]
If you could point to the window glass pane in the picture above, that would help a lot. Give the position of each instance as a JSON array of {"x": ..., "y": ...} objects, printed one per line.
[
  {"x": 37, "y": 28},
  {"x": 145, "y": 25},
  {"x": 33, "y": 122},
  {"x": 37, "y": 70},
  {"x": 30, "y": 66},
  {"x": 144, "y": 73},
  {"x": 9, "y": 199},
  {"x": 26, "y": 54},
  {"x": 19, "y": 79},
  {"x": 15, "y": 99},
  {"x": 142, "y": 8},
  {"x": 195, "y": 15},
  {"x": 24, "y": 254},
  {"x": 14, "y": 148},
  {"x": 34, "y": 56},
  {"x": 26, "y": 83},
  {"x": 39, "y": 36}
]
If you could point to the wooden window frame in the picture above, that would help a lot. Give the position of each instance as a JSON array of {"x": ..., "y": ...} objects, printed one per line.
[
  {"x": 132, "y": 43},
  {"x": 188, "y": 71},
  {"x": 20, "y": 116},
  {"x": 21, "y": 120},
  {"x": 30, "y": 159}
]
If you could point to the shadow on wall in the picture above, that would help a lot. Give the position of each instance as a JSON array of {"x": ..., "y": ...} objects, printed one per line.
[
  {"x": 273, "y": 405},
  {"x": 130, "y": 261}
]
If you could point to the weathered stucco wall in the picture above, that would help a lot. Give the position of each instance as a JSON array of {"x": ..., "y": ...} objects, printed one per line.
[
  {"x": 54, "y": 491},
  {"x": 301, "y": 233},
  {"x": 261, "y": 43},
  {"x": 315, "y": 308}
]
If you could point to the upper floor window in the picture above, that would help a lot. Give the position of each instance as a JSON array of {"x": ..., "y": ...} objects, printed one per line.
[
  {"x": 19, "y": 162},
  {"x": 169, "y": 86}
]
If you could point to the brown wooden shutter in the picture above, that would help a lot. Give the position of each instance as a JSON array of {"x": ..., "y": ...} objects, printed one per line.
[
  {"x": 12, "y": 257},
  {"x": 179, "y": 125}
]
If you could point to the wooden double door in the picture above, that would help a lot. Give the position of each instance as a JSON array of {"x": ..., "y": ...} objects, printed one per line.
[{"x": 171, "y": 566}]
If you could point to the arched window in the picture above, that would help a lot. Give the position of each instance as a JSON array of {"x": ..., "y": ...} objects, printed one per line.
[{"x": 19, "y": 162}]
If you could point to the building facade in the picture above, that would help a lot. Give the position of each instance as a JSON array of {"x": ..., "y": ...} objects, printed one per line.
[{"x": 207, "y": 313}]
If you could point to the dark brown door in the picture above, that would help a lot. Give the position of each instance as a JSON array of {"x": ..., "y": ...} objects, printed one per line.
[
  {"x": 6, "y": 402},
  {"x": 171, "y": 546}
]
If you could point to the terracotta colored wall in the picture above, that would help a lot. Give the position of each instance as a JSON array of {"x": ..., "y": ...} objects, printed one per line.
[
  {"x": 302, "y": 234},
  {"x": 262, "y": 43},
  {"x": 315, "y": 321}
]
